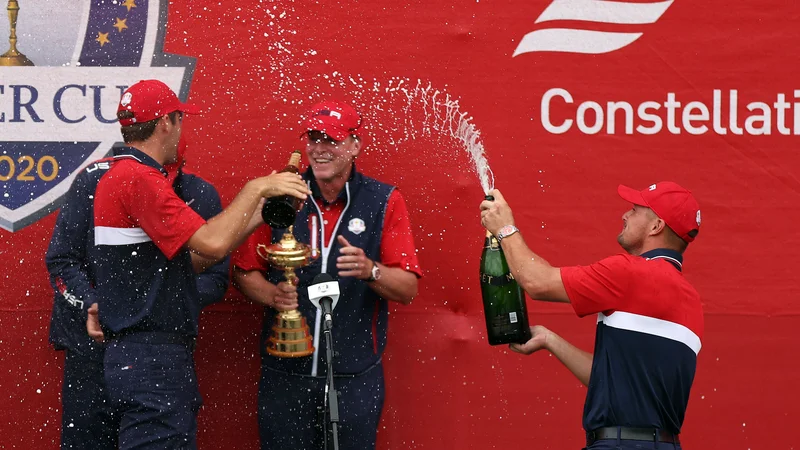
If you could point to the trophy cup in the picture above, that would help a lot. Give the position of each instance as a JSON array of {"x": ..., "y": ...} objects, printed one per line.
[
  {"x": 290, "y": 335},
  {"x": 13, "y": 57}
]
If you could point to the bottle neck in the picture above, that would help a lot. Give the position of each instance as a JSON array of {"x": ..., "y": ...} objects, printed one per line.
[
  {"x": 294, "y": 160},
  {"x": 491, "y": 241}
]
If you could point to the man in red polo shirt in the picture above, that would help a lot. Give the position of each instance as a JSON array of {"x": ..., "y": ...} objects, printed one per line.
[
  {"x": 366, "y": 242},
  {"x": 148, "y": 244},
  {"x": 649, "y": 318}
]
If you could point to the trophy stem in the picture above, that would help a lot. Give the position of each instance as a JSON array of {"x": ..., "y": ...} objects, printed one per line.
[
  {"x": 290, "y": 276},
  {"x": 13, "y": 57}
]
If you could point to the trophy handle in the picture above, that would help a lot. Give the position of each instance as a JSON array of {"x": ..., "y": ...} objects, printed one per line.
[{"x": 264, "y": 255}]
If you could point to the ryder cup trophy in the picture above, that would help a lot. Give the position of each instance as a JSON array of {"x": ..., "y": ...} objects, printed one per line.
[
  {"x": 13, "y": 57},
  {"x": 290, "y": 335}
]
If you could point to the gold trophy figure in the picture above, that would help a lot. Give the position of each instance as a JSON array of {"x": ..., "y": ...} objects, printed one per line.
[
  {"x": 13, "y": 57},
  {"x": 290, "y": 334}
]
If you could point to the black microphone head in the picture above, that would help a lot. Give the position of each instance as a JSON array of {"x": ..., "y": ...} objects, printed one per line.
[{"x": 322, "y": 278}]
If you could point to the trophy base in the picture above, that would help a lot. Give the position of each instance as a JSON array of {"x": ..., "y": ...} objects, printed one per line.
[
  {"x": 9, "y": 59},
  {"x": 290, "y": 336}
]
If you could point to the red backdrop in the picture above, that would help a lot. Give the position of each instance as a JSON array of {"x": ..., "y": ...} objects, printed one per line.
[{"x": 260, "y": 63}]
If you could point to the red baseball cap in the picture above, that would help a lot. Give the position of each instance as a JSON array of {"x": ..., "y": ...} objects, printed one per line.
[
  {"x": 675, "y": 205},
  {"x": 149, "y": 100},
  {"x": 334, "y": 118}
]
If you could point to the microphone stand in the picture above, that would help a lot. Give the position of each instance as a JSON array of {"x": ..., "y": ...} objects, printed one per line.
[{"x": 331, "y": 403}]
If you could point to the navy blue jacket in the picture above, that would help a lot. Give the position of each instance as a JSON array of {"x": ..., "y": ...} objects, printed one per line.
[
  {"x": 361, "y": 316},
  {"x": 71, "y": 252}
]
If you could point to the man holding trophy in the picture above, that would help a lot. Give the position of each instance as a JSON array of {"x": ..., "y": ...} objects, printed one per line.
[{"x": 365, "y": 241}]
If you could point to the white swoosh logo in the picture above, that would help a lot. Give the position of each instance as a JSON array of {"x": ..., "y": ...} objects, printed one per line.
[
  {"x": 604, "y": 12},
  {"x": 586, "y": 41}
]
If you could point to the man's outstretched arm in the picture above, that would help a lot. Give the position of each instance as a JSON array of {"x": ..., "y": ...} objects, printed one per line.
[{"x": 576, "y": 360}]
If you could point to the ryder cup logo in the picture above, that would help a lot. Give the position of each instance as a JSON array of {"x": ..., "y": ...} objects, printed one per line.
[
  {"x": 59, "y": 90},
  {"x": 357, "y": 226},
  {"x": 575, "y": 40}
]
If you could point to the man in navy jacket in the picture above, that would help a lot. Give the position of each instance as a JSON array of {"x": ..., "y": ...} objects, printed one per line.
[
  {"x": 366, "y": 242},
  {"x": 88, "y": 420}
]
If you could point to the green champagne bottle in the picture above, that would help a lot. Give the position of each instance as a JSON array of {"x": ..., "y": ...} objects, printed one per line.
[{"x": 503, "y": 301}]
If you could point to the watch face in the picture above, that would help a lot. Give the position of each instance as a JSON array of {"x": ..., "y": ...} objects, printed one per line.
[
  {"x": 376, "y": 272},
  {"x": 505, "y": 230}
]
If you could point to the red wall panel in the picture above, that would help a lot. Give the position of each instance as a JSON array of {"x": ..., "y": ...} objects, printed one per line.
[{"x": 259, "y": 64}]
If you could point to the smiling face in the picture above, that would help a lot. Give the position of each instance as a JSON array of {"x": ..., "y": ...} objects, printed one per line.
[
  {"x": 639, "y": 222},
  {"x": 331, "y": 160}
]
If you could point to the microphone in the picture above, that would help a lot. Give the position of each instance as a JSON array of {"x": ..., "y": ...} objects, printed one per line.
[{"x": 324, "y": 294}]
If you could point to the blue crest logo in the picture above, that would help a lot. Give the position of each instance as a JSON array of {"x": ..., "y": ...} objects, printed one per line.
[{"x": 60, "y": 82}]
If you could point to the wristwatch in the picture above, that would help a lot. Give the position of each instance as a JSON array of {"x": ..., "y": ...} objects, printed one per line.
[
  {"x": 375, "y": 275},
  {"x": 505, "y": 232}
]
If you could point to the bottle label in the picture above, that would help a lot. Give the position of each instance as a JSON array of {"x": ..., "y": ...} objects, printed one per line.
[
  {"x": 502, "y": 326},
  {"x": 501, "y": 280},
  {"x": 512, "y": 317}
]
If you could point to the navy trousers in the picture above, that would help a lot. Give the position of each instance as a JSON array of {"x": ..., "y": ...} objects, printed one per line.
[
  {"x": 622, "y": 444},
  {"x": 291, "y": 407},
  {"x": 87, "y": 419},
  {"x": 153, "y": 388}
]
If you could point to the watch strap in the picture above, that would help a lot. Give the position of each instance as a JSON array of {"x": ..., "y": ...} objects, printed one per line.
[
  {"x": 372, "y": 276},
  {"x": 506, "y": 231}
]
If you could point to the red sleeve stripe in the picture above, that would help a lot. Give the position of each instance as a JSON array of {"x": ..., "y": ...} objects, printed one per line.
[
  {"x": 649, "y": 325},
  {"x": 119, "y": 236}
]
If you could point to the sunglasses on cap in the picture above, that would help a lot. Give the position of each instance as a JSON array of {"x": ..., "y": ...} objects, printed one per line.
[{"x": 319, "y": 137}]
